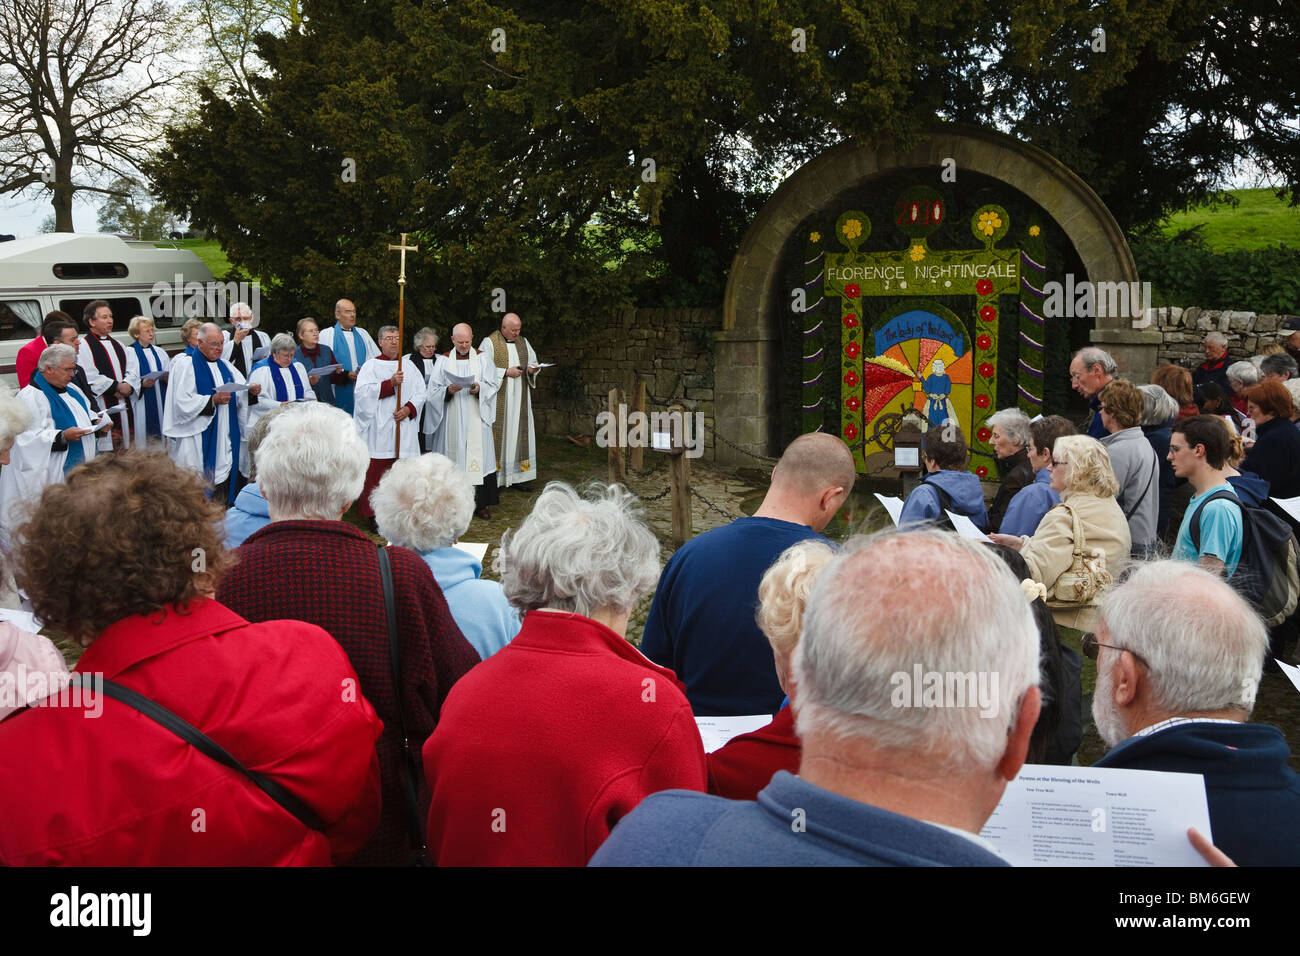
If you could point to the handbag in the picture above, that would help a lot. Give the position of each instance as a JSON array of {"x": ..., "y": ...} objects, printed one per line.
[
  {"x": 408, "y": 769},
  {"x": 1085, "y": 579}
]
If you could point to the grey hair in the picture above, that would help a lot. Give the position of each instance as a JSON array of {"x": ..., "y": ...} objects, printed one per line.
[
  {"x": 872, "y": 621},
  {"x": 14, "y": 416},
  {"x": 312, "y": 463},
  {"x": 55, "y": 355},
  {"x": 1247, "y": 373},
  {"x": 1279, "y": 364},
  {"x": 283, "y": 342},
  {"x": 240, "y": 308},
  {"x": 1158, "y": 406},
  {"x": 1092, "y": 355},
  {"x": 257, "y": 434},
  {"x": 385, "y": 329},
  {"x": 423, "y": 503},
  {"x": 1013, "y": 423},
  {"x": 1203, "y": 643},
  {"x": 579, "y": 553},
  {"x": 1216, "y": 338},
  {"x": 423, "y": 334}
]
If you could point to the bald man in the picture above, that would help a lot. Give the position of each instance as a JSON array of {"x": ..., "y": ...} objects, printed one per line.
[
  {"x": 465, "y": 387},
  {"x": 701, "y": 623},
  {"x": 514, "y": 437},
  {"x": 352, "y": 347}
]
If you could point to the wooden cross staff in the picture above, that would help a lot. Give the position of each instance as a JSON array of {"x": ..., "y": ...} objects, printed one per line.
[{"x": 403, "y": 248}]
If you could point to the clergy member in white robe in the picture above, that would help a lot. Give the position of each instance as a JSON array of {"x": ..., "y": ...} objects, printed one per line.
[
  {"x": 241, "y": 342},
  {"x": 352, "y": 347},
  {"x": 282, "y": 380},
  {"x": 111, "y": 372},
  {"x": 468, "y": 413},
  {"x": 380, "y": 418},
  {"x": 514, "y": 436},
  {"x": 209, "y": 427},
  {"x": 426, "y": 358},
  {"x": 59, "y": 436},
  {"x": 147, "y": 401}
]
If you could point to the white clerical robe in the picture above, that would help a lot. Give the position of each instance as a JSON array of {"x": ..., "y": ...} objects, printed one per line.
[
  {"x": 184, "y": 421},
  {"x": 104, "y": 395},
  {"x": 431, "y": 419},
  {"x": 374, "y": 414},
  {"x": 265, "y": 375},
  {"x": 513, "y": 468},
  {"x": 243, "y": 361},
  {"x": 158, "y": 359},
  {"x": 467, "y": 419},
  {"x": 32, "y": 464}
]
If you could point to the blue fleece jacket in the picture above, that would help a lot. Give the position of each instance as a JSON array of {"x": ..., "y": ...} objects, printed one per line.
[
  {"x": 249, "y": 513},
  {"x": 962, "y": 487},
  {"x": 479, "y": 607},
  {"x": 793, "y": 823},
  {"x": 1251, "y": 489},
  {"x": 1254, "y": 797},
  {"x": 1030, "y": 504}
]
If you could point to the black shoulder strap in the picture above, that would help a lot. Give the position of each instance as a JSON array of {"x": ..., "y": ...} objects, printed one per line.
[
  {"x": 206, "y": 745},
  {"x": 945, "y": 499},
  {"x": 409, "y": 768},
  {"x": 1221, "y": 495},
  {"x": 1128, "y": 515}
]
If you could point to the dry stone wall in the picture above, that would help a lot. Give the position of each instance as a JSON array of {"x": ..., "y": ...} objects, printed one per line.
[{"x": 1182, "y": 332}]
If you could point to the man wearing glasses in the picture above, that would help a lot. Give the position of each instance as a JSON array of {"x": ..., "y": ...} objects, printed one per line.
[
  {"x": 1091, "y": 370},
  {"x": 1199, "y": 449},
  {"x": 1179, "y": 657}
]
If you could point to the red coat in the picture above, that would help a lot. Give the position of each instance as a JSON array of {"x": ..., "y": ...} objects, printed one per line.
[
  {"x": 551, "y": 741},
  {"x": 28, "y": 356},
  {"x": 746, "y": 764},
  {"x": 119, "y": 789}
]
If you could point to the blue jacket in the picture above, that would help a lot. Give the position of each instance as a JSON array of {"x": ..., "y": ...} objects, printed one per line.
[
  {"x": 1095, "y": 427},
  {"x": 249, "y": 513},
  {"x": 1158, "y": 436},
  {"x": 1251, "y": 489},
  {"x": 701, "y": 622},
  {"x": 1254, "y": 797},
  {"x": 962, "y": 487},
  {"x": 479, "y": 607},
  {"x": 793, "y": 823},
  {"x": 323, "y": 388},
  {"x": 1030, "y": 504}
]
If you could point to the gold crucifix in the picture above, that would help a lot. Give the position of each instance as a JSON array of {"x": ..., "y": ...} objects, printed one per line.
[{"x": 401, "y": 324}]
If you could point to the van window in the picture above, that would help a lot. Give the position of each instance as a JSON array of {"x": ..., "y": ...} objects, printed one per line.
[
  {"x": 124, "y": 310},
  {"x": 20, "y": 319},
  {"x": 90, "y": 270}
]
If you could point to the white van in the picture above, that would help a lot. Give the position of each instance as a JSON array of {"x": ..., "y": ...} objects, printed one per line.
[{"x": 67, "y": 270}]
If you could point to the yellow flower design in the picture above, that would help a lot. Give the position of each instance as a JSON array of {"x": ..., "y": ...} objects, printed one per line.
[
  {"x": 917, "y": 253},
  {"x": 1034, "y": 230},
  {"x": 852, "y": 228},
  {"x": 814, "y": 237},
  {"x": 989, "y": 222}
]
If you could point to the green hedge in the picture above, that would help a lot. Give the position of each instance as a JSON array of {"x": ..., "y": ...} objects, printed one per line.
[{"x": 1255, "y": 280}]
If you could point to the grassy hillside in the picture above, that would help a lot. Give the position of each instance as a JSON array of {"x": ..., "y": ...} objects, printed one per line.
[
  {"x": 209, "y": 250},
  {"x": 1261, "y": 219}
]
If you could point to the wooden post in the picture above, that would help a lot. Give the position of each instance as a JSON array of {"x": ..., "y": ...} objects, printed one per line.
[
  {"x": 617, "y": 475},
  {"x": 637, "y": 454},
  {"x": 679, "y": 480}
]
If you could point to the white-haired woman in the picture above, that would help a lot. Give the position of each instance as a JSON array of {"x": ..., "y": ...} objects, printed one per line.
[
  {"x": 428, "y": 361},
  {"x": 1010, "y": 440},
  {"x": 282, "y": 379},
  {"x": 21, "y": 652},
  {"x": 746, "y": 764},
  {"x": 425, "y": 504},
  {"x": 147, "y": 400},
  {"x": 1083, "y": 477},
  {"x": 1158, "y": 413},
  {"x": 1241, "y": 376},
  {"x": 560, "y": 735}
]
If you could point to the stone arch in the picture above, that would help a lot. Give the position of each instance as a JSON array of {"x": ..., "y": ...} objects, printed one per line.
[{"x": 746, "y": 347}]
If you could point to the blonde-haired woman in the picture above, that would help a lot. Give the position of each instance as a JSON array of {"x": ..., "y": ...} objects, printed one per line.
[
  {"x": 147, "y": 401},
  {"x": 1082, "y": 476},
  {"x": 746, "y": 764}
]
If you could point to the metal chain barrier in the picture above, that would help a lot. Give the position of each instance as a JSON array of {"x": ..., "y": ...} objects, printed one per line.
[{"x": 711, "y": 506}]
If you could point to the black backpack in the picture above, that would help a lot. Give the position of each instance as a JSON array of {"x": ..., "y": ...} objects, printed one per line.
[{"x": 1267, "y": 574}]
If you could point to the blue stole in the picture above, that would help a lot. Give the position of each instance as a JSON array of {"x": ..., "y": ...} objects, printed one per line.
[
  {"x": 282, "y": 393},
  {"x": 152, "y": 425},
  {"x": 63, "y": 418},
  {"x": 347, "y": 357},
  {"x": 204, "y": 385}
]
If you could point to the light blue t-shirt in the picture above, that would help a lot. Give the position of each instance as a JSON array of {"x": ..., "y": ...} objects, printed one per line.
[{"x": 1221, "y": 533}]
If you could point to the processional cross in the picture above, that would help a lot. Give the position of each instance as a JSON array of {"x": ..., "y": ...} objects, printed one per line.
[{"x": 403, "y": 248}]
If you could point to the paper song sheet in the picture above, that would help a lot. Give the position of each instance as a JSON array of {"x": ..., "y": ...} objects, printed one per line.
[
  {"x": 965, "y": 527},
  {"x": 1290, "y": 505},
  {"x": 716, "y": 731},
  {"x": 154, "y": 375},
  {"x": 231, "y": 387},
  {"x": 1099, "y": 816},
  {"x": 464, "y": 381},
  {"x": 1291, "y": 671},
  {"x": 263, "y": 352},
  {"x": 476, "y": 551},
  {"x": 893, "y": 505},
  {"x": 323, "y": 370}
]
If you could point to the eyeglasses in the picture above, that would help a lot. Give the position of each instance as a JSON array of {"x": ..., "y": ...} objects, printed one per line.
[
  {"x": 1090, "y": 645},
  {"x": 1057, "y": 463}
]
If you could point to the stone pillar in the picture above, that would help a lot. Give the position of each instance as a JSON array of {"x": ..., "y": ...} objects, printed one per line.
[{"x": 744, "y": 402}]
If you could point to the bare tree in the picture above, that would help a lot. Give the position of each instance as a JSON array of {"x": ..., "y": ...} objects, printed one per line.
[
  {"x": 230, "y": 29},
  {"x": 82, "y": 92}
]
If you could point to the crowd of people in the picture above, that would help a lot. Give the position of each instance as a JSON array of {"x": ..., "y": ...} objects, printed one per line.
[{"x": 384, "y": 705}]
